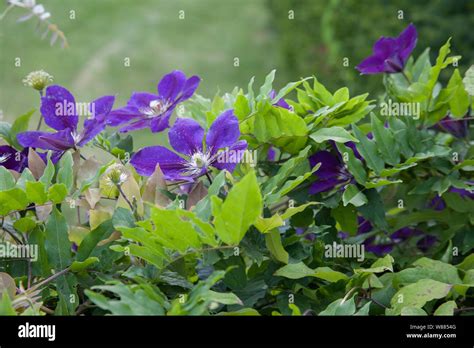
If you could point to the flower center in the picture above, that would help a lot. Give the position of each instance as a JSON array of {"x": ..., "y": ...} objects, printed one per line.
[
  {"x": 155, "y": 108},
  {"x": 197, "y": 162},
  {"x": 76, "y": 137}
]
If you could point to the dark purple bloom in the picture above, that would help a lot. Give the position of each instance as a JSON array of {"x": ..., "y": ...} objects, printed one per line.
[
  {"x": 271, "y": 154},
  {"x": 438, "y": 203},
  {"x": 59, "y": 110},
  {"x": 147, "y": 110},
  {"x": 372, "y": 245},
  {"x": 331, "y": 173},
  {"x": 281, "y": 102},
  {"x": 457, "y": 127},
  {"x": 390, "y": 54},
  {"x": 11, "y": 158},
  {"x": 186, "y": 137}
]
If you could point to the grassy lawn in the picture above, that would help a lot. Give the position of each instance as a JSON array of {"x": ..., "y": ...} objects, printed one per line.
[{"x": 150, "y": 33}]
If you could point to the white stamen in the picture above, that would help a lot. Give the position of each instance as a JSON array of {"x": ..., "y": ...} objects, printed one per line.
[
  {"x": 76, "y": 136},
  {"x": 155, "y": 108},
  {"x": 5, "y": 157},
  {"x": 197, "y": 162}
]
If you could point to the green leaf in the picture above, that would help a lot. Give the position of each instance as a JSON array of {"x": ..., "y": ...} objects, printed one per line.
[
  {"x": 57, "y": 193},
  {"x": 224, "y": 298},
  {"x": 281, "y": 127},
  {"x": 368, "y": 151},
  {"x": 5, "y": 131},
  {"x": 300, "y": 270},
  {"x": 36, "y": 192},
  {"x": 7, "y": 181},
  {"x": 57, "y": 244},
  {"x": 417, "y": 295},
  {"x": 65, "y": 172},
  {"x": 379, "y": 266},
  {"x": 337, "y": 134},
  {"x": 173, "y": 232},
  {"x": 6, "y": 307},
  {"x": 79, "y": 266},
  {"x": 138, "y": 300},
  {"x": 340, "y": 307},
  {"x": 13, "y": 199},
  {"x": 385, "y": 140},
  {"x": 24, "y": 224},
  {"x": 356, "y": 168},
  {"x": 374, "y": 210},
  {"x": 459, "y": 102},
  {"x": 274, "y": 245},
  {"x": 346, "y": 217},
  {"x": 48, "y": 173},
  {"x": 267, "y": 85},
  {"x": 239, "y": 211},
  {"x": 20, "y": 125},
  {"x": 446, "y": 309},
  {"x": 468, "y": 80},
  {"x": 353, "y": 196},
  {"x": 90, "y": 241}
]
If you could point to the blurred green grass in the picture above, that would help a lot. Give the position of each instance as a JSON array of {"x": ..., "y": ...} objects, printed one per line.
[{"x": 150, "y": 33}]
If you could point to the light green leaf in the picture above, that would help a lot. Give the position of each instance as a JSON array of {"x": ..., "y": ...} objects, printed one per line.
[
  {"x": 417, "y": 295},
  {"x": 446, "y": 309},
  {"x": 274, "y": 245},
  {"x": 239, "y": 211},
  {"x": 353, "y": 196},
  {"x": 7, "y": 181},
  {"x": 36, "y": 192},
  {"x": 65, "y": 172},
  {"x": 300, "y": 270},
  {"x": 337, "y": 134},
  {"x": 368, "y": 150}
]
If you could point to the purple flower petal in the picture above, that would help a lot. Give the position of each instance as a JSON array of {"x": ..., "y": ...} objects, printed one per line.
[
  {"x": 171, "y": 85},
  {"x": 141, "y": 99},
  {"x": 159, "y": 124},
  {"x": 59, "y": 141},
  {"x": 140, "y": 124},
  {"x": 407, "y": 42},
  {"x": 224, "y": 132},
  {"x": 146, "y": 159},
  {"x": 390, "y": 54},
  {"x": 324, "y": 185},
  {"x": 271, "y": 154},
  {"x": 58, "y": 108},
  {"x": 228, "y": 159},
  {"x": 186, "y": 136},
  {"x": 330, "y": 165},
  {"x": 101, "y": 107},
  {"x": 459, "y": 128},
  {"x": 13, "y": 159},
  {"x": 189, "y": 88},
  {"x": 123, "y": 115}
]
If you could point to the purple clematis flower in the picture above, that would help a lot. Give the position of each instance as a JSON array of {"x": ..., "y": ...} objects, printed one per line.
[
  {"x": 438, "y": 203},
  {"x": 187, "y": 137},
  {"x": 11, "y": 158},
  {"x": 397, "y": 237},
  {"x": 457, "y": 127},
  {"x": 58, "y": 108},
  {"x": 145, "y": 110},
  {"x": 390, "y": 54},
  {"x": 281, "y": 102},
  {"x": 331, "y": 173}
]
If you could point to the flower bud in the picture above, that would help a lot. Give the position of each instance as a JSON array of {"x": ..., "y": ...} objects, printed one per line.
[{"x": 38, "y": 79}]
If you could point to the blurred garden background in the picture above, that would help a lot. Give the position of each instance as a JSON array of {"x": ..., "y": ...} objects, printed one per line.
[{"x": 296, "y": 37}]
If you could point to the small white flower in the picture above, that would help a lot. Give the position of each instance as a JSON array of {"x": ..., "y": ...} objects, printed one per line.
[
  {"x": 115, "y": 175},
  {"x": 38, "y": 79}
]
